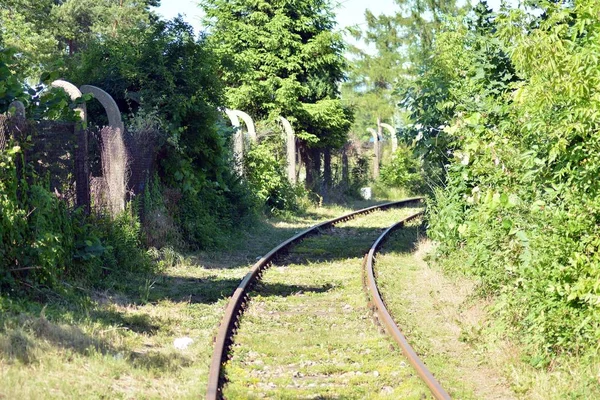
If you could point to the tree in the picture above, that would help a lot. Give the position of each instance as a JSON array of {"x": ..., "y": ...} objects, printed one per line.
[
  {"x": 374, "y": 77},
  {"x": 420, "y": 21},
  {"x": 45, "y": 31},
  {"x": 403, "y": 43},
  {"x": 162, "y": 69},
  {"x": 467, "y": 71},
  {"x": 282, "y": 57}
]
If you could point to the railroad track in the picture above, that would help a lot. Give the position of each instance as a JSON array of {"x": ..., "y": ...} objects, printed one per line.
[
  {"x": 240, "y": 298},
  {"x": 385, "y": 318}
]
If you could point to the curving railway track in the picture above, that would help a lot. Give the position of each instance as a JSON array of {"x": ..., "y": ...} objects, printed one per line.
[{"x": 240, "y": 297}]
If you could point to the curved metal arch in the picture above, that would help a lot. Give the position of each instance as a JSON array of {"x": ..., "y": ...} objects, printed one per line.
[
  {"x": 290, "y": 139},
  {"x": 109, "y": 104}
]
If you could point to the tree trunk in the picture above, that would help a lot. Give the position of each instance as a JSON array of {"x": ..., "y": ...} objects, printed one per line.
[
  {"x": 313, "y": 168},
  {"x": 345, "y": 167},
  {"x": 327, "y": 181}
]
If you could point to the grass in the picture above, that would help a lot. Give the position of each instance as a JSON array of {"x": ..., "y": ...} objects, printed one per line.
[
  {"x": 427, "y": 307},
  {"x": 569, "y": 376},
  {"x": 308, "y": 332},
  {"x": 466, "y": 349},
  {"x": 118, "y": 343}
]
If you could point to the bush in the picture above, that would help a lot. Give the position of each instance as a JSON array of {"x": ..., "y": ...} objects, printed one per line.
[
  {"x": 264, "y": 167},
  {"x": 521, "y": 207},
  {"x": 44, "y": 242},
  {"x": 403, "y": 171}
]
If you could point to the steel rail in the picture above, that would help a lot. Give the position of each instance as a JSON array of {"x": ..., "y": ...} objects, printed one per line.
[
  {"x": 386, "y": 319},
  {"x": 240, "y": 295}
]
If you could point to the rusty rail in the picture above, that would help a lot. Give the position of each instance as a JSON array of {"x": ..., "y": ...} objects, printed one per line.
[
  {"x": 240, "y": 296},
  {"x": 388, "y": 322}
]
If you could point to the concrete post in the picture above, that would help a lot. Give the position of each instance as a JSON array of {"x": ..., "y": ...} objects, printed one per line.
[
  {"x": 375, "y": 136},
  {"x": 109, "y": 104},
  {"x": 238, "y": 141},
  {"x": 82, "y": 169},
  {"x": 392, "y": 132},
  {"x": 290, "y": 140},
  {"x": 249, "y": 124}
]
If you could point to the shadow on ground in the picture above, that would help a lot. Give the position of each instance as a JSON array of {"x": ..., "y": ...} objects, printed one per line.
[
  {"x": 31, "y": 338},
  {"x": 35, "y": 326}
]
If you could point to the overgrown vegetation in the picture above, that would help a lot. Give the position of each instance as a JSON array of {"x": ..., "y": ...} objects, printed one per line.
[
  {"x": 507, "y": 102},
  {"x": 498, "y": 114},
  {"x": 284, "y": 58},
  {"x": 172, "y": 87}
]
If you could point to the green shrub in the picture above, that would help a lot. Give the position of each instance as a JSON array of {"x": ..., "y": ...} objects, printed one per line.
[
  {"x": 264, "y": 168},
  {"x": 521, "y": 207},
  {"x": 43, "y": 242},
  {"x": 403, "y": 171}
]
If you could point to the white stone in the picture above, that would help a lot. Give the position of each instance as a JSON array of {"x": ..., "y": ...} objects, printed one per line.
[
  {"x": 182, "y": 343},
  {"x": 366, "y": 193}
]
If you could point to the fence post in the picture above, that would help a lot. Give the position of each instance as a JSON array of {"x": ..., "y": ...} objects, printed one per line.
[
  {"x": 290, "y": 140},
  {"x": 115, "y": 162},
  {"x": 375, "y": 136},
  {"x": 82, "y": 172},
  {"x": 392, "y": 132},
  {"x": 238, "y": 141}
]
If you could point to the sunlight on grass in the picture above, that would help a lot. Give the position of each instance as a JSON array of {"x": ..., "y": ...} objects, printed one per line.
[
  {"x": 119, "y": 342},
  {"x": 308, "y": 332},
  {"x": 460, "y": 342}
]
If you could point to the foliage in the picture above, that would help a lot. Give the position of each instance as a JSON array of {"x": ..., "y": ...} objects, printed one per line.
[
  {"x": 10, "y": 87},
  {"x": 372, "y": 78},
  {"x": 327, "y": 123},
  {"x": 46, "y": 32},
  {"x": 359, "y": 174},
  {"x": 520, "y": 206},
  {"x": 264, "y": 166},
  {"x": 164, "y": 74},
  {"x": 43, "y": 242},
  {"x": 403, "y": 170},
  {"x": 283, "y": 58}
]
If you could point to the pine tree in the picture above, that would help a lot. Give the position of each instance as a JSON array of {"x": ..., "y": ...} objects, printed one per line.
[
  {"x": 283, "y": 57},
  {"x": 45, "y": 31},
  {"x": 373, "y": 77}
]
